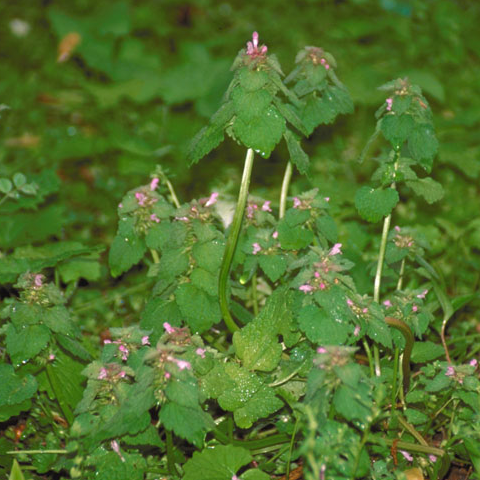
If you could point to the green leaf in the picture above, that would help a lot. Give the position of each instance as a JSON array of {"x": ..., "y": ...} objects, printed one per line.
[
  {"x": 249, "y": 105},
  {"x": 257, "y": 343},
  {"x": 316, "y": 111},
  {"x": 297, "y": 155},
  {"x": 320, "y": 327},
  {"x": 157, "y": 311},
  {"x": 255, "y": 474},
  {"x": 209, "y": 255},
  {"x": 250, "y": 399},
  {"x": 199, "y": 309},
  {"x": 166, "y": 235},
  {"x": 5, "y": 185},
  {"x": 183, "y": 414},
  {"x": 428, "y": 188},
  {"x": 217, "y": 463},
  {"x": 374, "y": 204},
  {"x": 426, "y": 351},
  {"x": 173, "y": 263},
  {"x": 328, "y": 228},
  {"x": 291, "y": 116},
  {"x": 423, "y": 145},
  {"x": 261, "y": 133},
  {"x": 26, "y": 343},
  {"x": 252, "y": 80},
  {"x": 19, "y": 180},
  {"x": 293, "y": 238},
  {"x": 204, "y": 142},
  {"x": 16, "y": 471},
  {"x": 397, "y": 128},
  {"x": 274, "y": 265},
  {"x": 14, "y": 390},
  {"x": 127, "y": 247}
]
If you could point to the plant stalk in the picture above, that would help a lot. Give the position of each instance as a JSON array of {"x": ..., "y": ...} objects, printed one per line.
[
  {"x": 284, "y": 192},
  {"x": 232, "y": 242}
]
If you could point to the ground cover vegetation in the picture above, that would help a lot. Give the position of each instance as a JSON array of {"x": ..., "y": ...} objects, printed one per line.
[{"x": 238, "y": 256}]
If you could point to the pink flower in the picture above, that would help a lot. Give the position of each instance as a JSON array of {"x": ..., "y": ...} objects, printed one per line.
[
  {"x": 167, "y": 375},
  {"x": 122, "y": 374},
  {"x": 296, "y": 202},
  {"x": 275, "y": 235},
  {"x": 422, "y": 295},
  {"x": 252, "y": 47},
  {"x": 432, "y": 458},
  {"x": 200, "y": 352},
  {"x": 321, "y": 350},
  {"x": 182, "y": 219},
  {"x": 145, "y": 340},
  {"x": 266, "y": 206},
  {"x": 389, "y": 104},
  {"x": 116, "y": 448},
  {"x": 168, "y": 327},
  {"x": 407, "y": 456},
  {"x": 365, "y": 310},
  {"x": 327, "y": 199},
  {"x": 234, "y": 477},
  {"x": 349, "y": 302},
  {"x": 335, "y": 250},
  {"x": 387, "y": 303},
  {"x": 414, "y": 308},
  {"x": 154, "y": 184},
  {"x": 154, "y": 218},
  {"x": 38, "y": 280},
  {"x": 181, "y": 364},
  {"x": 105, "y": 342},
  {"x": 141, "y": 198},
  {"x": 306, "y": 288},
  {"x": 124, "y": 351},
  {"x": 450, "y": 371},
  {"x": 322, "y": 286},
  {"x": 473, "y": 362},
  {"x": 212, "y": 199},
  {"x": 256, "y": 248},
  {"x": 327, "y": 66},
  {"x": 120, "y": 205},
  {"x": 102, "y": 374},
  {"x": 317, "y": 274},
  {"x": 356, "y": 332},
  {"x": 397, "y": 228},
  {"x": 251, "y": 209},
  {"x": 51, "y": 357}
]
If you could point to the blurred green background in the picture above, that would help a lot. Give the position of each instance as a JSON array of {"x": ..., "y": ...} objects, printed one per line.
[{"x": 147, "y": 74}]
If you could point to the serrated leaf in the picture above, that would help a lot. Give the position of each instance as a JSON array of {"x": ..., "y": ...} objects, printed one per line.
[
  {"x": 209, "y": 255},
  {"x": 290, "y": 115},
  {"x": 127, "y": 248},
  {"x": 217, "y": 463},
  {"x": 426, "y": 351},
  {"x": 251, "y": 104},
  {"x": 374, "y": 204},
  {"x": 26, "y": 343},
  {"x": 252, "y": 80},
  {"x": 423, "y": 145},
  {"x": 297, "y": 156},
  {"x": 205, "y": 280},
  {"x": 173, "y": 263},
  {"x": 157, "y": 311},
  {"x": 316, "y": 111},
  {"x": 199, "y": 309},
  {"x": 204, "y": 142},
  {"x": 168, "y": 235},
  {"x": 261, "y": 133},
  {"x": 397, "y": 128},
  {"x": 274, "y": 266},
  {"x": 321, "y": 328},
  {"x": 328, "y": 228},
  {"x": 339, "y": 98},
  {"x": 428, "y": 188},
  {"x": 257, "y": 344},
  {"x": 13, "y": 388},
  {"x": 250, "y": 399}
]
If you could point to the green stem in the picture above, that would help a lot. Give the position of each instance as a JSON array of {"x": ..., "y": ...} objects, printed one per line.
[
  {"x": 412, "y": 447},
  {"x": 290, "y": 450},
  {"x": 400, "y": 278},
  {"x": 251, "y": 444},
  {"x": 172, "y": 193},
  {"x": 283, "y": 194},
  {"x": 394, "y": 380},
  {"x": 170, "y": 455},
  {"x": 254, "y": 294},
  {"x": 366, "y": 346},
  {"x": 232, "y": 242},
  {"x": 412, "y": 430},
  {"x": 357, "y": 457},
  {"x": 407, "y": 351},
  {"x": 156, "y": 258},
  {"x": 35, "y": 452}
]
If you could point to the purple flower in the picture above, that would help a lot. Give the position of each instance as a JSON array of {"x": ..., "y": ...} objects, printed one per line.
[
  {"x": 145, "y": 340},
  {"x": 387, "y": 303},
  {"x": 124, "y": 351},
  {"x": 252, "y": 47},
  {"x": 450, "y": 371},
  {"x": 154, "y": 183},
  {"x": 473, "y": 362},
  {"x": 266, "y": 206},
  {"x": 432, "y": 458},
  {"x": 154, "y": 218},
  {"x": 102, "y": 375},
  {"x": 116, "y": 448},
  {"x": 321, "y": 350},
  {"x": 389, "y": 104},
  {"x": 38, "y": 280},
  {"x": 306, "y": 288},
  {"x": 181, "y": 364},
  {"x": 275, "y": 235},
  {"x": 200, "y": 352},
  {"x": 296, "y": 202},
  {"x": 407, "y": 456},
  {"x": 397, "y": 228},
  {"x": 422, "y": 295},
  {"x": 212, "y": 199},
  {"x": 120, "y": 205},
  {"x": 251, "y": 209},
  {"x": 256, "y": 248},
  {"x": 168, "y": 327},
  {"x": 414, "y": 308},
  {"x": 356, "y": 332},
  {"x": 141, "y": 198},
  {"x": 122, "y": 374},
  {"x": 335, "y": 250},
  {"x": 327, "y": 199},
  {"x": 349, "y": 302}
]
